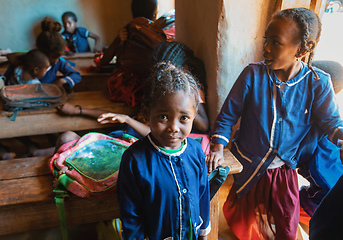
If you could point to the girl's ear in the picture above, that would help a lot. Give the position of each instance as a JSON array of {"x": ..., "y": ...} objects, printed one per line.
[
  {"x": 145, "y": 112},
  {"x": 301, "y": 52}
]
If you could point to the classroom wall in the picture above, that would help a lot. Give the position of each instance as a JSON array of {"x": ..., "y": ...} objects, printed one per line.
[
  {"x": 20, "y": 19},
  {"x": 225, "y": 38}
]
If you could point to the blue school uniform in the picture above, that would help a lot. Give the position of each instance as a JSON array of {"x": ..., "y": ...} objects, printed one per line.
[
  {"x": 71, "y": 75},
  {"x": 78, "y": 39},
  {"x": 160, "y": 194},
  {"x": 274, "y": 124}
]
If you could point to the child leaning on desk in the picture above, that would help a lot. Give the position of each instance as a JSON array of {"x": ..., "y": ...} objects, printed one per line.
[
  {"x": 77, "y": 37},
  {"x": 279, "y": 100},
  {"x": 31, "y": 67}
]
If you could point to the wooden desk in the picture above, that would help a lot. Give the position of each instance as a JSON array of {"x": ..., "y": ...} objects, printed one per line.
[
  {"x": 47, "y": 121},
  {"x": 27, "y": 199},
  {"x": 235, "y": 167}
]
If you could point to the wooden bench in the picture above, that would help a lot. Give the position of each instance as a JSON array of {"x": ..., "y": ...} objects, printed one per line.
[
  {"x": 27, "y": 199},
  {"x": 48, "y": 121}
]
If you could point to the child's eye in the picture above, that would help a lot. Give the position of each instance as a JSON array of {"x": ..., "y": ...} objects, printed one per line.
[
  {"x": 184, "y": 118},
  {"x": 276, "y": 43},
  {"x": 164, "y": 117}
]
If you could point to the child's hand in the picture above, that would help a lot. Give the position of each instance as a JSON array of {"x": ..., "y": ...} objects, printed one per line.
[
  {"x": 68, "y": 109},
  {"x": 123, "y": 34},
  {"x": 60, "y": 82},
  {"x": 215, "y": 157},
  {"x": 112, "y": 118}
]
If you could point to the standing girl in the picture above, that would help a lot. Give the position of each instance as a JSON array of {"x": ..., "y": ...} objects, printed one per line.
[
  {"x": 163, "y": 185},
  {"x": 279, "y": 100}
]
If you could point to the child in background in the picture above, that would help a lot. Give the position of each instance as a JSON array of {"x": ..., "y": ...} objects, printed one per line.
[
  {"x": 279, "y": 101},
  {"x": 77, "y": 37},
  {"x": 32, "y": 66},
  {"x": 50, "y": 42},
  {"x": 163, "y": 187}
]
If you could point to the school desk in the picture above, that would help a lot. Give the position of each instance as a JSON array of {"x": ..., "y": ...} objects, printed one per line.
[
  {"x": 27, "y": 199},
  {"x": 48, "y": 121}
]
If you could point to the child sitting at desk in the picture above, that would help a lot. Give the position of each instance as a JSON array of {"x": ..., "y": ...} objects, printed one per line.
[
  {"x": 31, "y": 66},
  {"x": 77, "y": 37}
]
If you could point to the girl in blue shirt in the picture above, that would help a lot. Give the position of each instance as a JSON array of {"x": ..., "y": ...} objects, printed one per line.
[
  {"x": 163, "y": 187},
  {"x": 77, "y": 37},
  {"x": 279, "y": 101}
]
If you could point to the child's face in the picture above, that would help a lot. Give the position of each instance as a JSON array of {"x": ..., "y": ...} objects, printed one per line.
[
  {"x": 281, "y": 44},
  {"x": 39, "y": 72},
  {"x": 171, "y": 119},
  {"x": 69, "y": 24}
]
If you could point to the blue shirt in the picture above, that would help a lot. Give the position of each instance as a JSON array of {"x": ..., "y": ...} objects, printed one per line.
[
  {"x": 78, "y": 39},
  {"x": 159, "y": 193},
  {"x": 274, "y": 124},
  {"x": 71, "y": 75}
]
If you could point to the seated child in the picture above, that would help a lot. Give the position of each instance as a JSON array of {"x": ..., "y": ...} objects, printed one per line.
[
  {"x": 32, "y": 66},
  {"x": 77, "y": 37}
]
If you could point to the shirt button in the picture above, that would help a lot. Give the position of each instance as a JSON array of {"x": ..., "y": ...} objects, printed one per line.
[
  {"x": 184, "y": 190},
  {"x": 280, "y": 119}
]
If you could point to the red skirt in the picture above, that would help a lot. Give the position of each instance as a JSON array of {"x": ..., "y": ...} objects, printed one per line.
[{"x": 270, "y": 210}]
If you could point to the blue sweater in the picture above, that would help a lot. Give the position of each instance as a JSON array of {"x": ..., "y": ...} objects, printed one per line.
[
  {"x": 273, "y": 123},
  {"x": 159, "y": 193},
  {"x": 79, "y": 39}
]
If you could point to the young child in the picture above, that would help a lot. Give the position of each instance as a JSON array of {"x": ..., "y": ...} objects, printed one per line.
[
  {"x": 77, "y": 37},
  {"x": 279, "y": 101},
  {"x": 32, "y": 66},
  {"x": 163, "y": 187},
  {"x": 50, "y": 42}
]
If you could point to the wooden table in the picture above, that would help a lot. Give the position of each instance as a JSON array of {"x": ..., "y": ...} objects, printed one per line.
[{"x": 48, "y": 121}]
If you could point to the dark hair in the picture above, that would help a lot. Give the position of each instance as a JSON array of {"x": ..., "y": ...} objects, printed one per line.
[
  {"x": 143, "y": 8},
  {"x": 32, "y": 59},
  {"x": 310, "y": 28},
  {"x": 69, "y": 14},
  {"x": 181, "y": 56},
  {"x": 167, "y": 79},
  {"x": 50, "y": 41}
]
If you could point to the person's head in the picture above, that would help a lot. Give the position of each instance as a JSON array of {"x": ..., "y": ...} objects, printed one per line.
[
  {"x": 290, "y": 35},
  {"x": 144, "y": 8},
  {"x": 69, "y": 21},
  {"x": 181, "y": 56},
  {"x": 170, "y": 104},
  {"x": 50, "y": 41},
  {"x": 35, "y": 62}
]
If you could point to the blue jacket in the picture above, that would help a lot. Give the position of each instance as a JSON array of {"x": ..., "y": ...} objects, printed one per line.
[
  {"x": 71, "y": 75},
  {"x": 159, "y": 193},
  {"x": 274, "y": 124}
]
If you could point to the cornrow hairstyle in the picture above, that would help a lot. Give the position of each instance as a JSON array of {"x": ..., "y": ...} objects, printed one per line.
[
  {"x": 69, "y": 14},
  {"x": 32, "y": 59},
  {"x": 310, "y": 28},
  {"x": 168, "y": 79},
  {"x": 181, "y": 56},
  {"x": 143, "y": 8},
  {"x": 50, "y": 41}
]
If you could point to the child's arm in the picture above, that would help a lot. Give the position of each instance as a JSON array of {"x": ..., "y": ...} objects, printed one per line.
[
  {"x": 141, "y": 128},
  {"x": 70, "y": 75},
  {"x": 215, "y": 157},
  {"x": 97, "y": 41},
  {"x": 69, "y": 109}
]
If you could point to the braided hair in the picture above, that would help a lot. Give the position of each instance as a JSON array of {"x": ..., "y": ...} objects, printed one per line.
[
  {"x": 310, "y": 28},
  {"x": 180, "y": 56},
  {"x": 50, "y": 41},
  {"x": 167, "y": 79}
]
